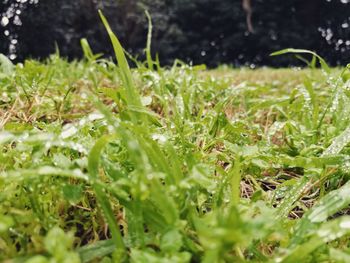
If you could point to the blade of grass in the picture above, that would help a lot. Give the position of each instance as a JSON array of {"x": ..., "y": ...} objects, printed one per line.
[
  {"x": 96, "y": 250},
  {"x": 325, "y": 207},
  {"x": 323, "y": 63},
  {"x": 133, "y": 97},
  {"x": 338, "y": 144},
  {"x": 327, "y": 232},
  {"x": 292, "y": 196},
  {"x": 235, "y": 174},
  {"x": 102, "y": 199}
]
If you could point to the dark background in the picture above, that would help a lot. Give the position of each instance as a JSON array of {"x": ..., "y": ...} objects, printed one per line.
[{"x": 203, "y": 31}]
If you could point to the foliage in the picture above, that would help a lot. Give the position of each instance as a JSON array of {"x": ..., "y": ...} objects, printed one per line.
[{"x": 101, "y": 162}]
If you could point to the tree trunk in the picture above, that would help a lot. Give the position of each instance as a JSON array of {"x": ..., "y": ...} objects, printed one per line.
[{"x": 247, "y": 7}]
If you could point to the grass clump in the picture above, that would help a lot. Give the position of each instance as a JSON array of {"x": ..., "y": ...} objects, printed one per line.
[{"x": 103, "y": 163}]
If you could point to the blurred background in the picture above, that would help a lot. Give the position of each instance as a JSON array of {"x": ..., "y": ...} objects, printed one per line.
[{"x": 214, "y": 32}]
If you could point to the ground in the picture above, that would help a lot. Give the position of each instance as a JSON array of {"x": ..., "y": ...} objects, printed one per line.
[{"x": 175, "y": 164}]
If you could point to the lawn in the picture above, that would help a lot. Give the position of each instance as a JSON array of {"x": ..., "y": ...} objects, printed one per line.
[{"x": 100, "y": 163}]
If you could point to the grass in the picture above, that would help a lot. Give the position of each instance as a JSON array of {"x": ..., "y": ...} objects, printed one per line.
[{"x": 103, "y": 163}]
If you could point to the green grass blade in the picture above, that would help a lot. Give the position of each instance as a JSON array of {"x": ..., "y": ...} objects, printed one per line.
[
  {"x": 323, "y": 63},
  {"x": 96, "y": 250},
  {"x": 133, "y": 97},
  {"x": 339, "y": 256},
  {"x": 89, "y": 55},
  {"x": 291, "y": 197},
  {"x": 22, "y": 174},
  {"x": 327, "y": 232},
  {"x": 95, "y": 154},
  {"x": 6, "y": 65},
  {"x": 102, "y": 199},
  {"x": 327, "y": 206},
  {"x": 338, "y": 144},
  {"x": 235, "y": 175},
  {"x": 315, "y": 106},
  {"x": 330, "y": 204}
]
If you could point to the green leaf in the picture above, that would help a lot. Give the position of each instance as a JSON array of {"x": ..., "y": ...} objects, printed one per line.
[
  {"x": 6, "y": 65},
  {"x": 22, "y": 174},
  {"x": 96, "y": 250},
  {"x": 324, "y": 208},
  {"x": 5, "y": 223},
  {"x": 151, "y": 256},
  {"x": 235, "y": 174},
  {"x": 292, "y": 196},
  {"x": 323, "y": 63},
  {"x": 59, "y": 245},
  {"x": 171, "y": 241},
  {"x": 339, "y": 256},
  {"x": 72, "y": 193},
  {"x": 35, "y": 259},
  {"x": 338, "y": 143},
  {"x": 88, "y": 54},
  {"x": 327, "y": 232},
  {"x": 93, "y": 166},
  {"x": 132, "y": 96}
]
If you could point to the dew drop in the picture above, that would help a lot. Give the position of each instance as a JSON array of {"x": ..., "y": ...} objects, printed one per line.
[{"x": 4, "y": 21}]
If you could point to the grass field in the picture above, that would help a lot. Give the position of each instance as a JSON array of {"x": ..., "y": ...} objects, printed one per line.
[{"x": 100, "y": 163}]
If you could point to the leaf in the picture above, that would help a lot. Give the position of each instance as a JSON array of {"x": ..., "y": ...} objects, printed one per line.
[
  {"x": 72, "y": 193},
  {"x": 323, "y": 63},
  {"x": 138, "y": 255},
  {"x": 338, "y": 144},
  {"x": 339, "y": 256},
  {"x": 96, "y": 250},
  {"x": 171, "y": 241},
  {"x": 22, "y": 174},
  {"x": 142, "y": 111},
  {"x": 235, "y": 174},
  {"x": 330, "y": 204},
  {"x": 314, "y": 101},
  {"x": 93, "y": 167},
  {"x": 6, "y": 65},
  {"x": 327, "y": 232},
  {"x": 88, "y": 54},
  {"x": 325, "y": 207},
  {"x": 57, "y": 242},
  {"x": 291, "y": 197},
  {"x": 6, "y": 137},
  {"x": 5, "y": 223},
  {"x": 132, "y": 95}
]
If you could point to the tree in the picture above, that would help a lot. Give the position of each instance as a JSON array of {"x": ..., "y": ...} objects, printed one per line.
[
  {"x": 246, "y": 4},
  {"x": 202, "y": 31}
]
